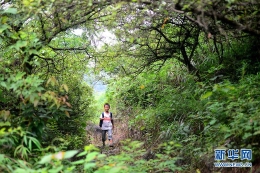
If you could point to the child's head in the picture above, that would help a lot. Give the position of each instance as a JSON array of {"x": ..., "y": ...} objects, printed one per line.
[{"x": 106, "y": 107}]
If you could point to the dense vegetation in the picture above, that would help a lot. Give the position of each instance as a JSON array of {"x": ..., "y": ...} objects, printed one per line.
[{"x": 184, "y": 73}]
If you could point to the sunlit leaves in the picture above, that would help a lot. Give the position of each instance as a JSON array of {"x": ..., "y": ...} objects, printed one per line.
[
  {"x": 27, "y": 2},
  {"x": 4, "y": 114},
  {"x": 65, "y": 87},
  {"x": 67, "y": 113},
  {"x": 142, "y": 87},
  {"x": 90, "y": 148},
  {"x": 58, "y": 156},
  {"x": 206, "y": 95},
  {"x": 52, "y": 80}
]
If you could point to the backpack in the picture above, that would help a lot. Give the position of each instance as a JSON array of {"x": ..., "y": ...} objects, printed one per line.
[{"x": 101, "y": 121}]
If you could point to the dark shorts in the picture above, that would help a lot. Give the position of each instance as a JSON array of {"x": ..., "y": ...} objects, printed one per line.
[{"x": 109, "y": 134}]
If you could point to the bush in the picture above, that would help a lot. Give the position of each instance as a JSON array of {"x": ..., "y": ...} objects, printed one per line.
[{"x": 129, "y": 160}]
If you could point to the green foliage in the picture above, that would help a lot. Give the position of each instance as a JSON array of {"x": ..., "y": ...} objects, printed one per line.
[
  {"x": 156, "y": 99},
  {"x": 202, "y": 116},
  {"x": 232, "y": 111},
  {"x": 44, "y": 104},
  {"x": 240, "y": 58},
  {"x": 35, "y": 85},
  {"x": 129, "y": 160},
  {"x": 31, "y": 99}
]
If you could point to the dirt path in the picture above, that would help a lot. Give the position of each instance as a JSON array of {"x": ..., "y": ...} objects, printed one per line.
[{"x": 119, "y": 133}]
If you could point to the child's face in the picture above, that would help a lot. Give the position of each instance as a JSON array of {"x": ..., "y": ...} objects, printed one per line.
[{"x": 106, "y": 108}]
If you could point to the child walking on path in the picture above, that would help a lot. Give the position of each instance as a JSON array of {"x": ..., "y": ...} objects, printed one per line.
[{"x": 107, "y": 124}]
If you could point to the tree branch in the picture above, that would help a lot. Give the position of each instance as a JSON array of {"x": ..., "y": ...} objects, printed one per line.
[{"x": 67, "y": 48}]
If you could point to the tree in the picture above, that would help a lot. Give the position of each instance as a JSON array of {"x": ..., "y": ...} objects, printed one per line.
[
  {"x": 38, "y": 60},
  {"x": 156, "y": 32}
]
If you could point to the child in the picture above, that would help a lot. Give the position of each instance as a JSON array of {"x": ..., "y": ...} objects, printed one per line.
[{"x": 106, "y": 124}]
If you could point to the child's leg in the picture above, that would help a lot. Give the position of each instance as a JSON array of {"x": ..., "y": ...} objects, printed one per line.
[
  {"x": 104, "y": 136},
  {"x": 110, "y": 136}
]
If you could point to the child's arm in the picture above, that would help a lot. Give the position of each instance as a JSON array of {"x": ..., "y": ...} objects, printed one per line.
[{"x": 112, "y": 121}]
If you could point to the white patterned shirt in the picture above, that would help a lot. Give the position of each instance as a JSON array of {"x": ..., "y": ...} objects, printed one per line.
[{"x": 107, "y": 124}]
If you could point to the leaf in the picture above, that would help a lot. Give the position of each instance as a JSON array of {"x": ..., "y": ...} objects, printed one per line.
[
  {"x": 91, "y": 147},
  {"x": 116, "y": 169},
  {"x": 19, "y": 75},
  {"x": 246, "y": 135},
  {"x": 67, "y": 114},
  {"x": 89, "y": 165},
  {"x": 46, "y": 159},
  {"x": 227, "y": 135},
  {"x": 78, "y": 162},
  {"x": 3, "y": 84},
  {"x": 20, "y": 170},
  {"x": 82, "y": 154},
  {"x": 6, "y": 115},
  {"x": 90, "y": 3},
  {"x": 36, "y": 142},
  {"x": 65, "y": 87},
  {"x": 5, "y": 123},
  {"x": 57, "y": 169},
  {"x": 30, "y": 145},
  {"x": 10, "y": 11},
  {"x": 20, "y": 44},
  {"x": 25, "y": 152},
  {"x": 91, "y": 156},
  {"x": 257, "y": 132},
  {"x": 3, "y": 27},
  {"x": 101, "y": 156},
  {"x": 212, "y": 121},
  {"x": 27, "y": 2},
  {"x": 25, "y": 139},
  {"x": 69, "y": 154},
  {"x": 206, "y": 95},
  {"x": 68, "y": 104},
  {"x": 52, "y": 80},
  {"x": 18, "y": 149},
  {"x": 35, "y": 102},
  {"x": 23, "y": 35}
]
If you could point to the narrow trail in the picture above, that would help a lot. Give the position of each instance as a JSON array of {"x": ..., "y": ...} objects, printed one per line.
[{"x": 120, "y": 133}]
